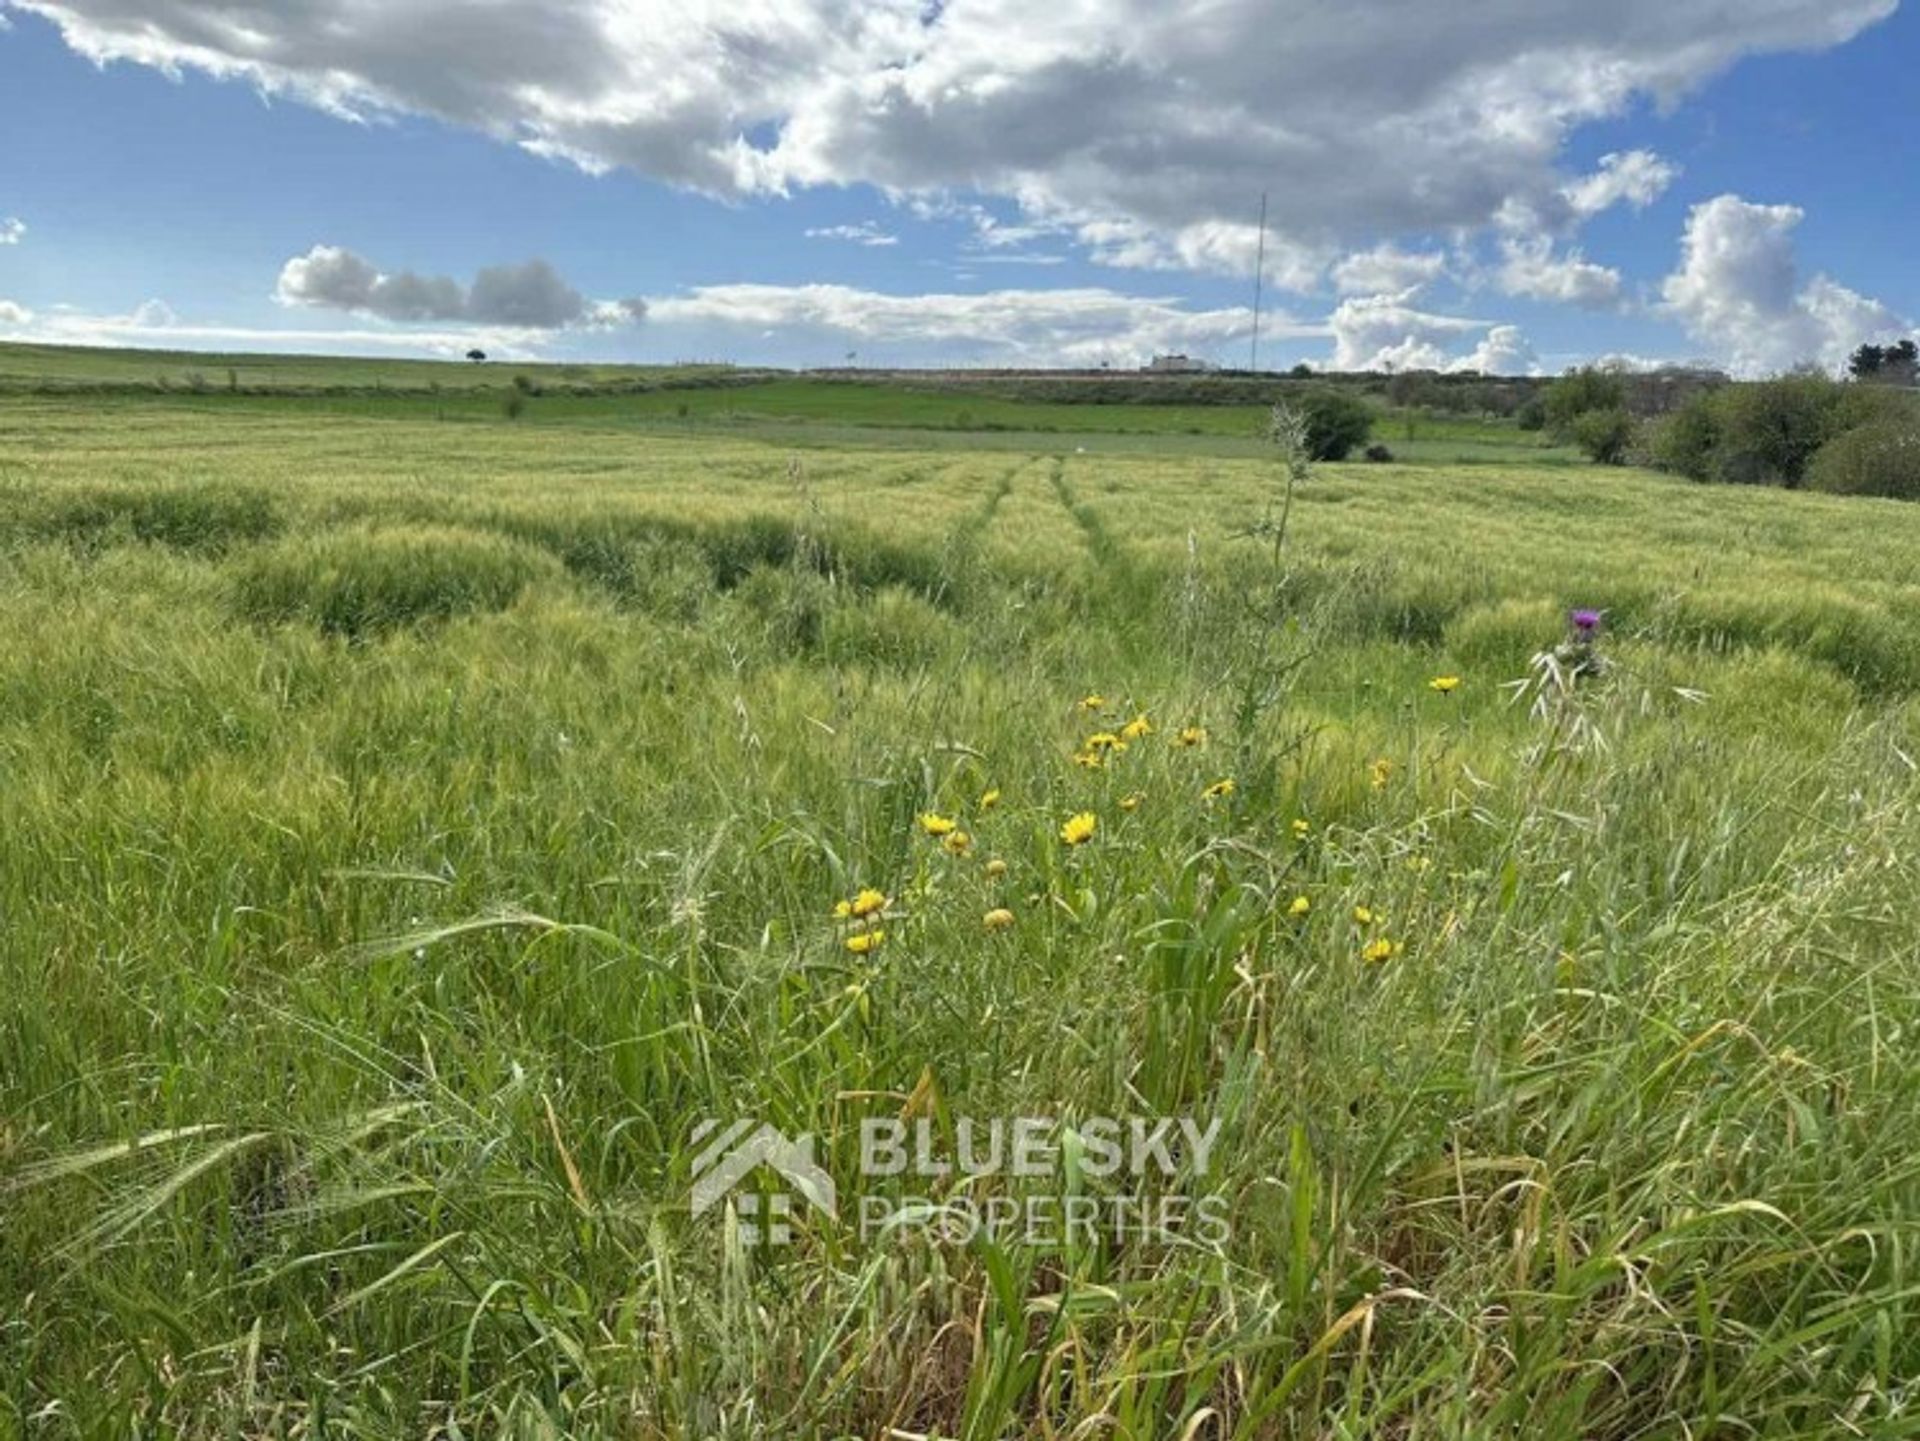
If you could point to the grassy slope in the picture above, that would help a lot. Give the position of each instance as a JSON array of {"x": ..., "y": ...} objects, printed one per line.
[
  {"x": 1625, "y": 1133},
  {"x": 803, "y": 410},
  {"x": 55, "y": 366}
]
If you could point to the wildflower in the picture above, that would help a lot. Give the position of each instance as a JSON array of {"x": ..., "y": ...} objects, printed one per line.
[
  {"x": 861, "y": 942},
  {"x": 1381, "y": 772},
  {"x": 1092, "y": 760},
  {"x": 1445, "y": 684},
  {"x": 1136, "y": 729},
  {"x": 1096, "y": 701},
  {"x": 1302, "y": 828},
  {"x": 999, "y": 918},
  {"x": 996, "y": 868},
  {"x": 956, "y": 843},
  {"x": 842, "y": 909},
  {"x": 1363, "y": 917},
  {"x": 1191, "y": 736},
  {"x": 938, "y": 825},
  {"x": 1301, "y": 905},
  {"x": 1585, "y": 622},
  {"x": 990, "y": 798},
  {"x": 1105, "y": 741},
  {"x": 1221, "y": 787},
  {"x": 1374, "y": 952},
  {"x": 867, "y": 902},
  {"x": 1079, "y": 829},
  {"x": 1131, "y": 802}
]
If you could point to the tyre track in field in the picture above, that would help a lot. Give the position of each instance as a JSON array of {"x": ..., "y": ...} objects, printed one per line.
[
  {"x": 965, "y": 545},
  {"x": 1106, "y": 552}
]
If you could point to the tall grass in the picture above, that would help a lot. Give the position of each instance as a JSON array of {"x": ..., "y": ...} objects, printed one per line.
[{"x": 365, "y": 970}]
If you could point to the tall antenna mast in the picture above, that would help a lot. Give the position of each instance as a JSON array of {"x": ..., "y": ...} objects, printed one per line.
[{"x": 1259, "y": 271}]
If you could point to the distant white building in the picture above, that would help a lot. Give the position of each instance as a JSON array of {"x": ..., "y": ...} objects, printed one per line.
[{"x": 1182, "y": 363}]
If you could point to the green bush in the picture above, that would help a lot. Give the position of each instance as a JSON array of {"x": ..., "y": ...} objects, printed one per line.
[
  {"x": 1604, "y": 435},
  {"x": 1766, "y": 432},
  {"x": 1880, "y": 458},
  {"x": 1337, "y": 423},
  {"x": 1579, "y": 391},
  {"x": 357, "y": 582},
  {"x": 1684, "y": 441}
]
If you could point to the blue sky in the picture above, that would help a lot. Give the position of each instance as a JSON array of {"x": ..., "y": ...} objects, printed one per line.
[{"x": 787, "y": 181}]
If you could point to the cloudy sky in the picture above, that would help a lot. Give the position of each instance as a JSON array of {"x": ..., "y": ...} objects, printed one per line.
[{"x": 1512, "y": 184}]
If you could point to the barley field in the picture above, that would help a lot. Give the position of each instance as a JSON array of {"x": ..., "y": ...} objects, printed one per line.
[{"x": 416, "y": 824}]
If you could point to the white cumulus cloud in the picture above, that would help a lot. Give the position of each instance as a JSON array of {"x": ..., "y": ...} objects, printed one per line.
[
  {"x": 530, "y": 296},
  {"x": 1738, "y": 292},
  {"x": 1159, "y": 123},
  {"x": 1502, "y": 351},
  {"x": 1386, "y": 332},
  {"x": 1532, "y": 269},
  {"x": 1638, "y": 177},
  {"x": 1387, "y": 269},
  {"x": 12, "y": 231},
  {"x": 1083, "y": 326}
]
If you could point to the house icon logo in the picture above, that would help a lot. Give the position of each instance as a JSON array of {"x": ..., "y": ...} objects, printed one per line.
[{"x": 730, "y": 1153}]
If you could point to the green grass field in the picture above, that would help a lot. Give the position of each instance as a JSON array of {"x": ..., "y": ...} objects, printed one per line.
[
  {"x": 25, "y": 367},
  {"x": 415, "y": 826}
]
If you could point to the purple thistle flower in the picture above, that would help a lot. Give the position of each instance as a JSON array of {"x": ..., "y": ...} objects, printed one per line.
[{"x": 1586, "y": 621}]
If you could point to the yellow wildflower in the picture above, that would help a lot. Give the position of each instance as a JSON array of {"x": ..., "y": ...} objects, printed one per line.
[
  {"x": 842, "y": 909},
  {"x": 996, "y": 868},
  {"x": 1105, "y": 741},
  {"x": 1445, "y": 684},
  {"x": 862, "y": 942},
  {"x": 1363, "y": 917},
  {"x": 938, "y": 825},
  {"x": 1381, "y": 772},
  {"x": 1301, "y": 828},
  {"x": 957, "y": 843},
  {"x": 867, "y": 902},
  {"x": 1136, "y": 729},
  {"x": 990, "y": 798},
  {"x": 1092, "y": 760},
  {"x": 1191, "y": 736},
  {"x": 999, "y": 918},
  {"x": 1096, "y": 701},
  {"x": 1301, "y": 905},
  {"x": 1079, "y": 829},
  {"x": 1380, "y": 950},
  {"x": 1221, "y": 787},
  {"x": 1131, "y": 802}
]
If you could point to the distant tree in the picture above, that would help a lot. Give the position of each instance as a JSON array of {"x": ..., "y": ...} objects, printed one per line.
[
  {"x": 476, "y": 356},
  {"x": 1301, "y": 371},
  {"x": 1865, "y": 363},
  {"x": 1902, "y": 362},
  {"x": 1895, "y": 364}
]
